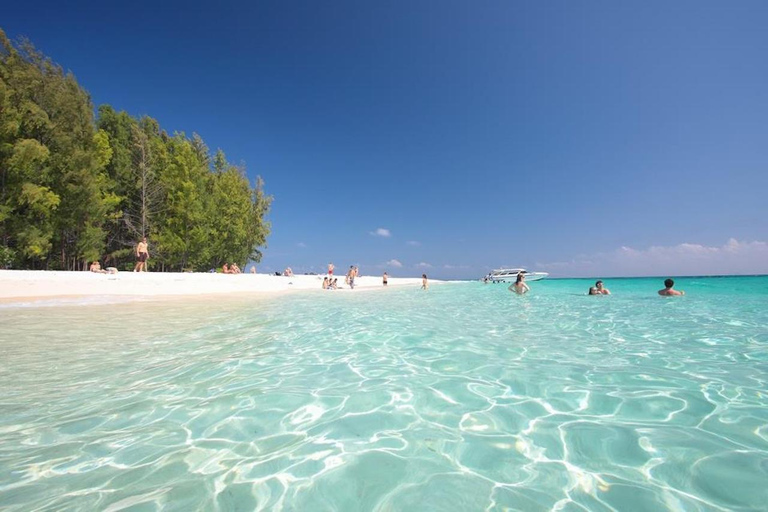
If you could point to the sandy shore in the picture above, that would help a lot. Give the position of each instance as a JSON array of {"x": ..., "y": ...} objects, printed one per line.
[{"x": 33, "y": 284}]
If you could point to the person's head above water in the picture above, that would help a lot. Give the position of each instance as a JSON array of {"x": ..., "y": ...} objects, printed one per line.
[
  {"x": 520, "y": 277},
  {"x": 598, "y": 284},
  {"x": 669, "y": 283}
]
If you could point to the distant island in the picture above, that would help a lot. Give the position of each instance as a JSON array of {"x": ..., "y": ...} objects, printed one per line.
[{"x": 78, "y": 186}]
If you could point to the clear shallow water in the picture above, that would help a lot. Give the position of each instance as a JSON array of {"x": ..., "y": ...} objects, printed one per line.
[{"x": 465, "y": 397}]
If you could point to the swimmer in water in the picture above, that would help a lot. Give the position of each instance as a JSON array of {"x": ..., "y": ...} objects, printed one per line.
[
  {"x": 669, "y": 290},
  {"x": 520, "y": 287}
]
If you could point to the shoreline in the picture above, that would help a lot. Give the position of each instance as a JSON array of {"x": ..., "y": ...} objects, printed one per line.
[{"x": 29, "y": 286}]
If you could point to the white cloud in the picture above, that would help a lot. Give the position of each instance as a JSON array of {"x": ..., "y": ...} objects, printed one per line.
[
  {"x": 423, "y": 265},
  {"x": 301, "y": 245},
  {"x": 455, "y": 267},
  {"x": 381, "y": 232},
  {"x": 393, "y": 263},
  {"x": 734, "y": 257},
  {"x": 414, "y": 243}
]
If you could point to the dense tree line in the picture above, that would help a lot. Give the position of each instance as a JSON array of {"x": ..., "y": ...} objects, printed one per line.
[{"x": 77, "y": 186}]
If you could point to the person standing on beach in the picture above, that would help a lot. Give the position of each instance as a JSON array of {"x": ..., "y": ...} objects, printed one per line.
[
  {"x": 142, "y": 255},
  {"x": 520, "y": 287},
  {"x": 352, "y": 275},
  {"x": 668, "y": 290},
  {"x": 330, "y": 269},
  {"x": 384, "y": 279},
  {"x": 424, "y": 282}
]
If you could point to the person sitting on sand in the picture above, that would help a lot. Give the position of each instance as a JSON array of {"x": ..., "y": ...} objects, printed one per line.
[
  {"x": 253, "y": 269},
  {"x": 288, "y": 272},
  {"x": 225, "y": 269},
  {"x": 234, "y": 269},
  {"x": 335, "y": 283},
  {"x": 668, "y": 290},
  {"x": 424, "y": 282},
  {"x": 325, "y": 283},
  {"x": 96, "y": 267},
  {"x": 520, "y": 287}
]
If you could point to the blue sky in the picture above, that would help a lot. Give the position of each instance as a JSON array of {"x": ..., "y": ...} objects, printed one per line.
[{"x": 583, "y": 138}]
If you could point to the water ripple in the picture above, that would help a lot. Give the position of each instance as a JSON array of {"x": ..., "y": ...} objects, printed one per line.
[{"x": 462, "y": 398}]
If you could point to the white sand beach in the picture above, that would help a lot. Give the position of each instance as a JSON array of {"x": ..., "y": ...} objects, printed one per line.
[{"x": 31, "y": 284}]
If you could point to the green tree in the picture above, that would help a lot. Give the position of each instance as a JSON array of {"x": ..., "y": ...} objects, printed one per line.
[
  {"x": 74, "y": 188},
  {"x": 182, "y": 240}
]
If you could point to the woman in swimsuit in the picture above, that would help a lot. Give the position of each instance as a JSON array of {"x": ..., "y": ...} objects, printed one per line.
[{"x": 520, "y": 287}]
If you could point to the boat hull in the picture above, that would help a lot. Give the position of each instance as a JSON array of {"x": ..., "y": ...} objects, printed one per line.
[{"x": 510, "y": 276}]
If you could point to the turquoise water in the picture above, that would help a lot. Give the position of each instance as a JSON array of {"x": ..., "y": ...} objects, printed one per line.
[{"x": 465, "y": 397}]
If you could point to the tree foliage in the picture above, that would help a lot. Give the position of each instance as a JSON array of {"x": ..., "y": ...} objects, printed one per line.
[{"x": 76, "y": 187}]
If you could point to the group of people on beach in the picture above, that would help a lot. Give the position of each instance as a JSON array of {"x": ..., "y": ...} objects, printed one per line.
[
  {"x": 520, "y": 287},
  {"x": 231, "y": 269},
  {"x": 96, "y": 268},
  {"x": 330, "y": 284},
  {"x": 142, "y": 255}
]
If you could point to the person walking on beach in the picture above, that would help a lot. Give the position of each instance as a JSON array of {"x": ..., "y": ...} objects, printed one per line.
[
  {"x": 669, "y": 290},
  {"x": 520, "y": 287},
  {"x": 142, "y": 255},
  {"x": 424, "y": 282},
  {"x": 352, "y": 275},
  {"x": 349, "y": 274},
  {"x": 384, "y": 279}
]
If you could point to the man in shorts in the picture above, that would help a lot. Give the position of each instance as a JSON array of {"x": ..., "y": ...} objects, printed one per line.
[{"x": 142, "y": 255}]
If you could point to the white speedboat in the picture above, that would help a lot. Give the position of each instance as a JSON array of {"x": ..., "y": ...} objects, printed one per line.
[{"x": 509, "y": 275}]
